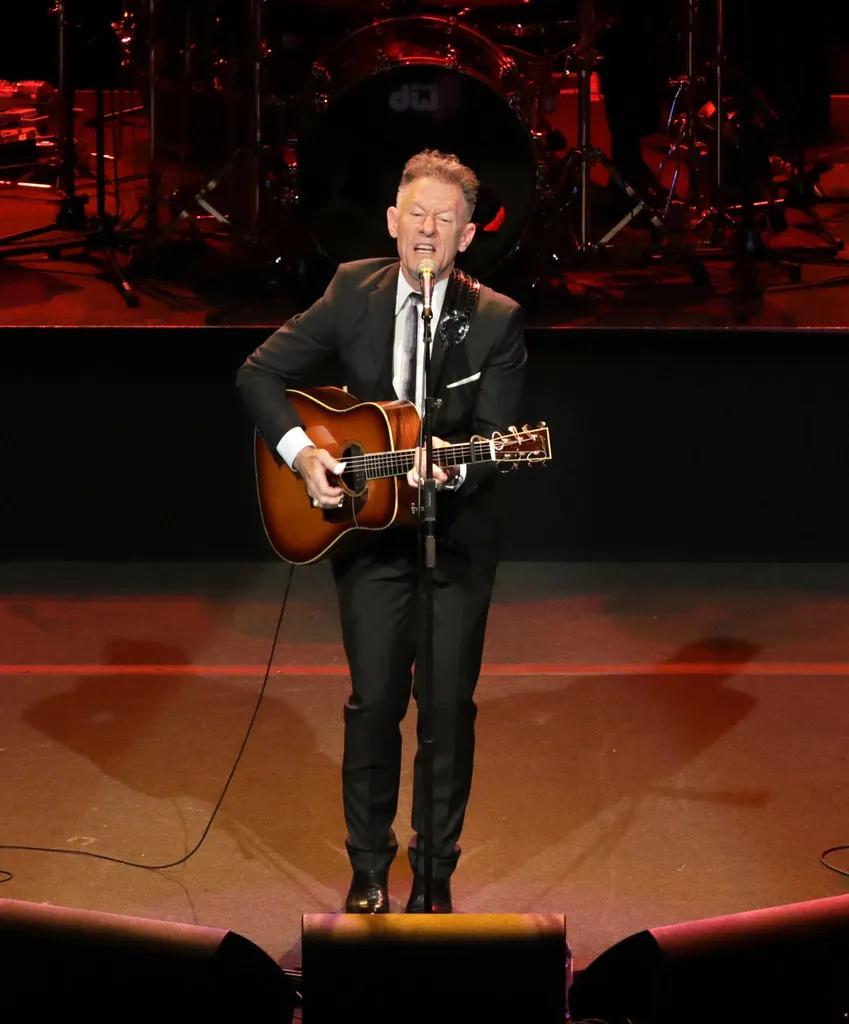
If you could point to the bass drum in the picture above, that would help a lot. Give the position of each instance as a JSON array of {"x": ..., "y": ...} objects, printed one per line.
[{"x": 394, "y": 88}]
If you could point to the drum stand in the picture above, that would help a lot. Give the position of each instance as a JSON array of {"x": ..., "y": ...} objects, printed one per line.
[
  {"x": 200, "y": 204},
  {"x": 684, "y": 111},
  {"x": 579, "y": 161},
  {"x": 746, "y": 247},
  {"x": 691, "y": 106},
  {"x": 88, "y": 234},
  {"x": 739, "y": 223}
]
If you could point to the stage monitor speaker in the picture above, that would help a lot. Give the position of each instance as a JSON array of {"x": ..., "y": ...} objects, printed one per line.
[
  {"x": 434, "y": 967},
  {"x": 788, "y": 963},
  {"x": 63, "y": 964}
]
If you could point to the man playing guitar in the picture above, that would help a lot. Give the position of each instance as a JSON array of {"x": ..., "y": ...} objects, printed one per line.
[{"x": 369, "y": 317}]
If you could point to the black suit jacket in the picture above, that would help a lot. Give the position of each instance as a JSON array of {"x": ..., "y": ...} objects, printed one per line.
[{"x": 482, "y": 378}]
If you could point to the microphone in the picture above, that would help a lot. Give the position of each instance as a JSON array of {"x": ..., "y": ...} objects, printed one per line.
[{"x": 426, "y": 271}]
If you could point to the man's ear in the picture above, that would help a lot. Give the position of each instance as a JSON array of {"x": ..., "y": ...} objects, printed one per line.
[
  {"x": 466, "y": 237},
  {"x": 392, "y": 221}
]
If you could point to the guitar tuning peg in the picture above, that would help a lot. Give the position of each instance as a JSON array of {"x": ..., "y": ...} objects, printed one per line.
[
  {"x": 513, "y": 430},
  {"x": 542, "y": 423}
]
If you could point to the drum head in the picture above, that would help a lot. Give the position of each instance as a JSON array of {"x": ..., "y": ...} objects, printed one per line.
[{"x": 351, "y": 162}]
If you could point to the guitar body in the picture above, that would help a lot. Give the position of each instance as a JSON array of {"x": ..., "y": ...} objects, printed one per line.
[{"x": 346, "y": 427}]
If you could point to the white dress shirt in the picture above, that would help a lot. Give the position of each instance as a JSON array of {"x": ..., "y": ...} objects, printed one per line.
[
  {"x": 296, "y": 439},
  {"x": 402, "y": 297}
]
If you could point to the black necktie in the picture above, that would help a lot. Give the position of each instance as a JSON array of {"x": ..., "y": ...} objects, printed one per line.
[{"x": 410, "y": 351}]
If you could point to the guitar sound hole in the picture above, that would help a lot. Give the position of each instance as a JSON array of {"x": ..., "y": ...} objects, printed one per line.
[{"x": 354, "y": 478}]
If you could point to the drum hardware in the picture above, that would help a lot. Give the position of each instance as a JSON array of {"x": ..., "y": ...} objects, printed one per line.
[
  {"x": 192, "y": 206},
  {"x": 532, "y": 29},
  {"x": 396, "y": 86},
  {"x": 804, "y": 185},
  {"x": 89, "y": 234},
  {"x": 721, "y": 120},
  {"x": 686, "y": 109},
  {"x": 54, "y": 179},
  {"x": 150, "y": 204},
  {"x": 575, "y": 172},
  {"x": 17, "y": 140},
  {"x": 27, "y": 142},
  {"x": 710, "y": 128},
  {"x": 320, "y": 73}
]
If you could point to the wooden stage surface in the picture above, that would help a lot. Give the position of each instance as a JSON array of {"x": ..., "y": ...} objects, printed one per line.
[{"x": 656, "y": 743}]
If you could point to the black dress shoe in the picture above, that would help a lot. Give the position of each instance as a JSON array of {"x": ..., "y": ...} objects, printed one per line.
[
  {"x": 440, "y": 896},
  {"x": 369, "y": 893}
]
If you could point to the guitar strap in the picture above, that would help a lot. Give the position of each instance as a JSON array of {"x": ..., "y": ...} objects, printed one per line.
[{"x": 458, "y": 312}]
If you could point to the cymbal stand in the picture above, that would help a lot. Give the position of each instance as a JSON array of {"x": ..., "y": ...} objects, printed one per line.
[
  {"x": 684, "y": 114},
  {"x": 577, "y": 165},
  {"x": 710, "y": 206},
  {"x": 746, "y": 246},
  {"x": 255, "y": 119},
  {"x": 88, "y": 234},
  {"x": 200, "y": 203},
  {"x": 719, "y": 100},
  {"x": 71, "y": 213},
  {"x": 719, "y": 213},
  {"x": 150, "y": 204}
]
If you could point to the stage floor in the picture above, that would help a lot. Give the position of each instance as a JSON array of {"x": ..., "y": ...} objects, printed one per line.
[
  {"x": 191, "y": 282},
  {"x": 656, "y": 743}
]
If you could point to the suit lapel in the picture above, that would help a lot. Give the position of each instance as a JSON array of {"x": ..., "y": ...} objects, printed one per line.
[
  {"x": 437, "y": 353},
  {"x": 380, "y": 320},
  {"x": 381, "y": 327},
  {"x": 454, "y": 323}
]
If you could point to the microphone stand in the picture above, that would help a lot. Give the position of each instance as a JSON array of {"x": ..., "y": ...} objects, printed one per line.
[{"x": 427, "y": 541}]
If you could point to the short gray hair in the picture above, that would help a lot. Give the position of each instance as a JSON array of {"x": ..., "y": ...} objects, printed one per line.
[{"x": 444, "y": 167}]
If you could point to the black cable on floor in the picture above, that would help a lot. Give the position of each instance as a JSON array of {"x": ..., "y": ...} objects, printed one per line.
[
  {"x": 242, "y": 748},
  {"x": 833, "y": 867}
]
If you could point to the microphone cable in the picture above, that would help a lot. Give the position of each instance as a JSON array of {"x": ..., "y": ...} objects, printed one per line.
[
  {"x": 182, "y": 860},
  {"x": 824, "y": 859}
]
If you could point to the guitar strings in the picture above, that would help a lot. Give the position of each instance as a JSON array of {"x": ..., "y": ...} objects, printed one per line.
[
  {"x": 390, "y": 463},
  {"x": 408, "y": 454},
  {"x": 376, "y": 465}
]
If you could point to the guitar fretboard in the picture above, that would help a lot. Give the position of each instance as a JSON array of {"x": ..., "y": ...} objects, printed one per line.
[{"x": 378, "y": 465}]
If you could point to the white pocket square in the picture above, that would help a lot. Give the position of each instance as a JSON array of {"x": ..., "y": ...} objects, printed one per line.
[{"x": 465, "y": 380}]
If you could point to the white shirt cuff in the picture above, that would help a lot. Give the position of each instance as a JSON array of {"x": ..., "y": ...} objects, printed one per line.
[{"x": 292, "y": 443}]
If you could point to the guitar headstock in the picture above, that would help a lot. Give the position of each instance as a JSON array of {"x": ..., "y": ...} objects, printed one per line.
[{"x": 528, "y": 444}]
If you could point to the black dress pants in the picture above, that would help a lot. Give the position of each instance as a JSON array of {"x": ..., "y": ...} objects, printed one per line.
[{"x": 379, "y": 597}]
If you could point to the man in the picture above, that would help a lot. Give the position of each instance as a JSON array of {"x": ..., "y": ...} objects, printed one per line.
[{"x": 369, "y": 317}]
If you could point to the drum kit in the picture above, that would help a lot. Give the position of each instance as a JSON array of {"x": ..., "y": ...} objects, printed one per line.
[
  {"x": 296, "y": 120},
  {"x": 288, "y": 124}
]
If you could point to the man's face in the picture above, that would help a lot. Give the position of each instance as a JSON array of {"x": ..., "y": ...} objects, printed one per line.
[{"x": 430, "y": 222}]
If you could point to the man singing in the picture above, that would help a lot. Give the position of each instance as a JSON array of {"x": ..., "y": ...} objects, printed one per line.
[{"x": 370, "y": 316}]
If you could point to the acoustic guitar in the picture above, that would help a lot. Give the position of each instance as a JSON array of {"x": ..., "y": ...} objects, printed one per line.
[{"x": 377, "y": 442}]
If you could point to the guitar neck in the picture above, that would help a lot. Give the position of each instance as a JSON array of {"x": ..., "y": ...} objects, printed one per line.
[{"x": 379, "y": 465}]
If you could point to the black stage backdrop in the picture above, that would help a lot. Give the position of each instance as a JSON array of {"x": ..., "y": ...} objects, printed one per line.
[{"x": 131, "y": 444}]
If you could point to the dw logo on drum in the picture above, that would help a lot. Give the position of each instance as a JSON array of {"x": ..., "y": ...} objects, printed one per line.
[{"x": 420, "y": 98}]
